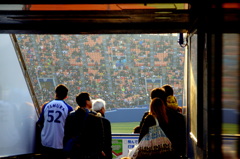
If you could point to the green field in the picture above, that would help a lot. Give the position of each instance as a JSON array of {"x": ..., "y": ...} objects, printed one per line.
[
  {"x": 230, "y": 128},
  {"x": 125, "y": 127}
]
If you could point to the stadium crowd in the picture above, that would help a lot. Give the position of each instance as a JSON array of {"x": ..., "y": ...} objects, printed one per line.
[{"x": 112, "y": 67}]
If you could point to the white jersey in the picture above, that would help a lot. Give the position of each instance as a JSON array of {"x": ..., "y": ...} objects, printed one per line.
[{"x": 54, "y": 114}]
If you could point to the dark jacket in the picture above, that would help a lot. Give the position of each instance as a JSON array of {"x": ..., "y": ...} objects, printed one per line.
[
  {"x": 89, "y": 132},
  {"x": 143, "y": 118},
  {"x": 177, "y": 131},
  {"x": 107, "y": 143},
  {"x": 107, "y": 146}
]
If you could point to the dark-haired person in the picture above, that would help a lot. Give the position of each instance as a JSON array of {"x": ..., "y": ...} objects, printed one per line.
[
  {"x": 157, "y": 110},
  {"x": 86, "y": 129},
  {"x": 171, "y": 100},
  {"x": 176, "y": 124},
  {"x": 177, "y": 120},
  {"x": 52, "y": 119},
  {"x": 156, "y": 92}
]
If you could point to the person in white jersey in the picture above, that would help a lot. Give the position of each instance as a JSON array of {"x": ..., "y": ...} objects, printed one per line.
[{"x": 52, "y": 117}]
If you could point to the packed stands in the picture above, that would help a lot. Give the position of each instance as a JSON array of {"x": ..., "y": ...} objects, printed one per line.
[{"x": 112, "y": 67}]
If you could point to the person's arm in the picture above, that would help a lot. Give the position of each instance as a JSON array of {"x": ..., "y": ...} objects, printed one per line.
[
  {"x": 148, "y": 122},
  {"x": 68, "y": 128},
  {"x": 100, "y": 135},
  {"x": 143, "y": 118},
  {"x": 40, "y": 121}
]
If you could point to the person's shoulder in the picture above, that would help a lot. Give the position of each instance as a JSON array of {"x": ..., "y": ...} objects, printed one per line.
[
  {"x": 180, "y": 116},
  {"x": 44, "y": 105},
  {"x": 175, "y": 116},
  {"x": 47, "y": 102},
  {"x": 69, "y": 106},
  {"x": 71, "y": 117},
  {"x": 79, "y": 112},
  {"x": 93, "y": 112},
  {"x": 149, "y": 117},
  {"x": 105, "y": 120},
  {"x": 72, "y": 114},
  {"x": 94, "y": 119},
  {"x": 94, "y": 116},
  {"x": 145, "y": 114},
  {"x": 172, "y": 112}
]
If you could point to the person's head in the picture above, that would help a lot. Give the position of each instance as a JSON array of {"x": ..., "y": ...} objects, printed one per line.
[
  {"x": 168, "y": 89},
  {"x": 99, "y": 105},
  {"x": 158, "y": 110},
  {"x": 61, "y": 91},
  {"x": 171, "y": 100},
  {"x": 83, "y": 100},
  {"x": 159, "y": 93}
]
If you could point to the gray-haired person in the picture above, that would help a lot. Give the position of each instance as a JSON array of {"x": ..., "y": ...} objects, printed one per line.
[{"x": 99, "y": 106}]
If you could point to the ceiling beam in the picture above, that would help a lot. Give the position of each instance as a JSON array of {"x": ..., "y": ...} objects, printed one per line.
[{"x": 89, "y": 1}]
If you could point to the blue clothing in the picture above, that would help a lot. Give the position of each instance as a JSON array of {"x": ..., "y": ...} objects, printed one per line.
[{"x": 53, "y": 117}]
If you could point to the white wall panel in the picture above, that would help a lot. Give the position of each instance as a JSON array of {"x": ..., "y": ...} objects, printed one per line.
[{"x": 17, "y": 113}]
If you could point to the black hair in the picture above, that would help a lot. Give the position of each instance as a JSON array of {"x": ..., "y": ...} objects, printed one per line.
[
  {"x": 61, "y": 91},
  {"x": 168, "y": 89},
  {"x": 81, "y": 99},
  {"x": 159, "y": 93}
]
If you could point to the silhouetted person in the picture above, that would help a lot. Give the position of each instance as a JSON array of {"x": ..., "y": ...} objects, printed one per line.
[
  {"x": 86, "y": 128},
  {"x": 171, "y": 99},
  {"x": 176, "y": 129},
  {"x": 157, "y": 110},
  {"x": 156, "y": 92}
]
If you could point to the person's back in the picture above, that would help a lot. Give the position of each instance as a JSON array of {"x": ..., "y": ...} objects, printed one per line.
[
  {"x": 86, "y": 128},
  {"x": 107, "y": 143},
  {"x": 177, "y": 131},
  {"x": 176, "y": 127},
  {"x": 157, "y": 112},
  {"x": 53, "y": 116},
  {"x": 177, "y": 123},
  {"x": 156, "y": 92},
  {"x": 55, "y": 113},
  {"x": 99, "y": 106}
]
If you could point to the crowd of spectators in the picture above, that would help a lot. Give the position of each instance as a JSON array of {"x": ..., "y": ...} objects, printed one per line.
[{"x": 112, "y": 67}]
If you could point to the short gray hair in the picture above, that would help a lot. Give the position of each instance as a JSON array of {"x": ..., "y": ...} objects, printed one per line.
[{"x": 98, "y": 104}]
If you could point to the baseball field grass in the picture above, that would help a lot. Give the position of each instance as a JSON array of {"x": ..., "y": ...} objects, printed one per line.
[
  {"x": 127, "y": 127},
  {"x": 124, "y": 127}
]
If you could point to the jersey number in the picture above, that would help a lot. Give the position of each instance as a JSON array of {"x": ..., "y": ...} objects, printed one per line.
[{"x": 51, "y": 117}]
